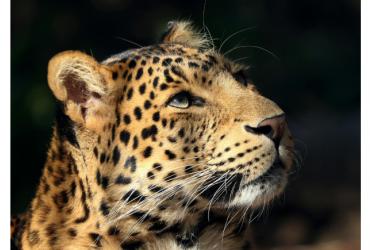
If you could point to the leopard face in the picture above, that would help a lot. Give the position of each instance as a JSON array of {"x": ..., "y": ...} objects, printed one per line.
[{"x": 175, "y": 125}]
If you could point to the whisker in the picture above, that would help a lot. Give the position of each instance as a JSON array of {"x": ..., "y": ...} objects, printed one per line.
[
  {"x": 253, "y": 47},
  {"x": 232, "y": 35},
  {"x": 129, "y": 41}
]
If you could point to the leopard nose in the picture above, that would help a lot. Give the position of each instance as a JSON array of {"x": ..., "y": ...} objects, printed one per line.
[{"x": 272, "y": 127}]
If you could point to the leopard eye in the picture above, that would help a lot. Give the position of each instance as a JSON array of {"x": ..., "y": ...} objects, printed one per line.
[
  {"x": 184, "y": 100},
  {"x": 181, "y": 100},
  {"x": 241, "y": 76}
]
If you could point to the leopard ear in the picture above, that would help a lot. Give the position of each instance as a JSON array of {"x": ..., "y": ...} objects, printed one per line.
[
  {"x": 182, "y": 32},
  {"x": 83, "y": 86}
]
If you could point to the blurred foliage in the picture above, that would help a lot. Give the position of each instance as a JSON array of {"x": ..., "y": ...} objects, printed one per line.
[{"x": 315, "y": 79}]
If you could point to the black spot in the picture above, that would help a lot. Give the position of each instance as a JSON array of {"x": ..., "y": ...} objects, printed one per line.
[
  {"x": 130, "y": 93},
  {"x": 147, "y": 152},
  {"x": 131, "y": 163},
  {"x": 129, "y": 77},
  {"x": 132, "y": 64},
  {"x": 142, "y": 216},
  {"x": 170, "y": 176},
  {"x": 178, "y": 72},
  {"x": 186, "y": 149},
  {"x": 156, "y": 116},
  {"x": 157, "y": 166},
  {"x": 166, "y": 62},
  {"x": 133, "y": 195},
  {"x": 96, "y": 239},
  {"x": 171, "y": 139},
  {"x": 155, "y": 82},
  {"x": 151, "y": 95},
  {"x": 137, "y": 112},
  {"x": 178, "y": 60},
  {"x": 98, "y": 177},
  {"x": 124, "y": 74},
  {"x": 126, "y": 119},
  {"x": 170, "y": 154},
  {"x": 155, "y": 59},
  {"x": 142, "y": 88},
  {"x": 149, "y": 131},
  {"x": 96, "y": 153},
  {"x": 193, "y": 65},
  {"x": 125, "y": 136},
  {"x": 114, "y": 131},
  {"x": 134, "y": 245},
  {"x": 163, "y": 86},
  {"x": 167, "y": 75},
  {"x": 73, "y": 188},
  {"x": 51, "y": 232},
  {"x": 116, "y": 155},
  {"x": 189, "y": 169},
  {"x": 85, "y": 216},
  {"x": 164, "y": 122},
  {"x": 158, "y": 226},
  {"x": 150, "y": 175},
  {"x": 104, "y": 182},
  {"x": 205, "y": 67},
  {"x": 102, "y": 158},
  {"x": 72, "y": 232},
  {"x": 155, "y": 188},
  {"x": 114, "y": 75},
  {"x": 181, "y": 132},
  {"x": 150, "y": 71},
  {"x": 104, "y": 209},
  {"x": 139, "y": 73},
  {"x": 172, "y": 124},
  {"x": 135, "y": 144},
  {"x": 147, "y": 104},
  {"x": 122, "y": 180},
  {"x": 113, "y": 231}
]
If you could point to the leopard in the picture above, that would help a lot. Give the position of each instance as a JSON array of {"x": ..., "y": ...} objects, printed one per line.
[{"x": 169, "y": 146}]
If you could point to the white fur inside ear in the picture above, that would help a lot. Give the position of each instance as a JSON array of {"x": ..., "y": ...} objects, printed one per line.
[
  {"x": 80, "y": 67},
  {"x": 85, "y": 72},
  {"x": 182, "y": 32}
]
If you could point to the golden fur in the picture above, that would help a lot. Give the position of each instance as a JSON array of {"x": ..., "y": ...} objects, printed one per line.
[{"x": 126, "y": 169}]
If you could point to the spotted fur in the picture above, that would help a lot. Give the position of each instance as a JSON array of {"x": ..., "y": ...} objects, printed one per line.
[{"x": 131, "y": 165}]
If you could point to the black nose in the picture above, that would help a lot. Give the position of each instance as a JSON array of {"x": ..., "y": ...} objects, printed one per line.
[{"x": 272, "y": 127}]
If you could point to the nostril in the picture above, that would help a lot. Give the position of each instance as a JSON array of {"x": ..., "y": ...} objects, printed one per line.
[
  {"x": 265, "y": 130},
  {"x": 272, "y": 127}
]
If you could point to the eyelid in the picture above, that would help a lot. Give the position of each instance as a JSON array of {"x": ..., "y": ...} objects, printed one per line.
[{"x": 194, "y": 100}]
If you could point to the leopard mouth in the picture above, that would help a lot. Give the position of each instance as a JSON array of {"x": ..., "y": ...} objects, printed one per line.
[
  {"x": 262, "y": 189},
  {"x": 275, "y": 171}
]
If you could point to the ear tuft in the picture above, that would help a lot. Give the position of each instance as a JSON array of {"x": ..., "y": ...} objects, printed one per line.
[{"x": 182, "y": 32}]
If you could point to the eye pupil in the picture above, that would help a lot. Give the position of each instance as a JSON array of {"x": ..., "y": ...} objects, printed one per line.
[{"x": 181, "y": 100}]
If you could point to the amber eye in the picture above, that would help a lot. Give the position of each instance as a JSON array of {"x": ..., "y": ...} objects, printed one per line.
[
  {"x": 241, "y": 76},
  {"x": 184, "y": 100}
]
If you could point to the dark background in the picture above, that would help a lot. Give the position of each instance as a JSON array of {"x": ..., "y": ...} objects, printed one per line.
[{"x": 316, "y": 80}]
